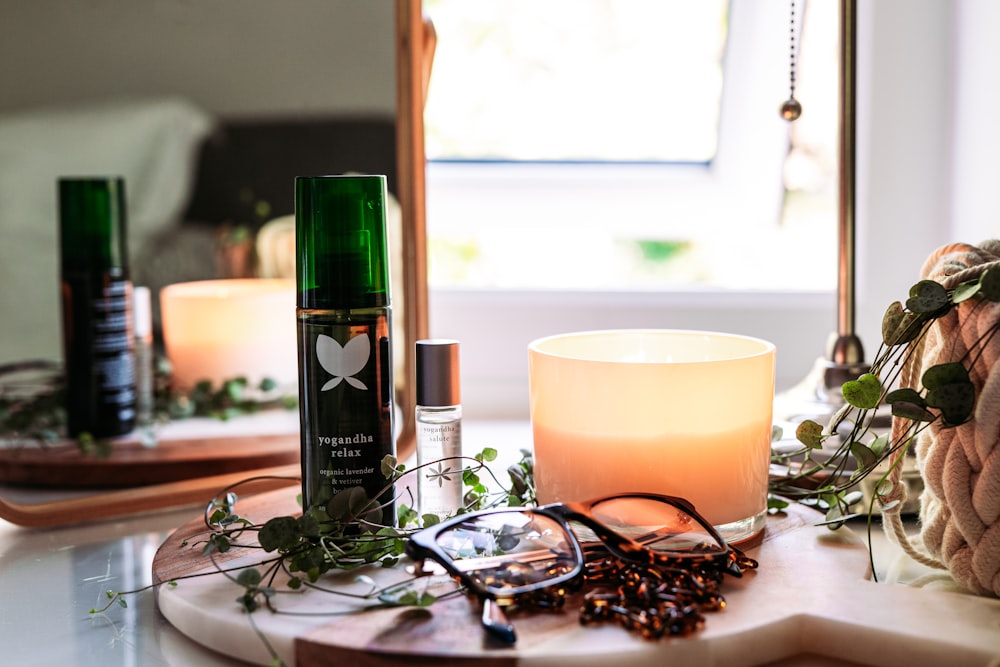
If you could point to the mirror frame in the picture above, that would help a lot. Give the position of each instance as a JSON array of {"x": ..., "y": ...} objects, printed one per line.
[{"x": 415, "y": 44}]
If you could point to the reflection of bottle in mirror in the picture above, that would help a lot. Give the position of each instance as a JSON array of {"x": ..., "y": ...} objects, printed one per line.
[
  {"x": 343, "y": 322},
  {"x": 144, "y": 371},
  {"x": 439, "y": 427},
  {"x": 97, "y": 307}
]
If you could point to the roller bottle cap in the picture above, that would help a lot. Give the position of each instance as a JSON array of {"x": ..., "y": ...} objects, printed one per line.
[
  {"x": 92, "y": 223},
  {"x": 438, "y": 383},
  {"x": 342, "y": 258}
]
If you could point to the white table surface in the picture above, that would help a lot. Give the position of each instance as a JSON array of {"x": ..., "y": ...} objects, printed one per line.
[{"x": 51, "y": 578}]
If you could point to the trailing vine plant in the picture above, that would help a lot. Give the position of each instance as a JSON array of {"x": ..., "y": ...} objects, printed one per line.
[
  {"x": 344, "y": 535},
  {"x": 946, "y": 397},
  {"x": 32, "y": 403}
]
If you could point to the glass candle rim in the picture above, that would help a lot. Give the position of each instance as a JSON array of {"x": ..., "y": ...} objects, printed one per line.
[
  {"x": 537, "y": 346},
  {"x": 227, "y": 288}
]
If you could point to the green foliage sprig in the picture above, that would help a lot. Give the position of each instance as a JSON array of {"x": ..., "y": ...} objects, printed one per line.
[
  {"x": 946, "y": 397},
  {"x": 344, "y": 535},
  {"x": 231, "y": 398},
  {"x": 32, "y": 406},
  {"x": 33, "y": 399}
]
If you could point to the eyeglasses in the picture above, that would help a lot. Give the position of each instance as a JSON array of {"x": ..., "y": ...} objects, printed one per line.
[{"x": 516, "y": 556}]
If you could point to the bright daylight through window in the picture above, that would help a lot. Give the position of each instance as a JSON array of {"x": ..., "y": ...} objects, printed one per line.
[{"x": 630, "y": 144}]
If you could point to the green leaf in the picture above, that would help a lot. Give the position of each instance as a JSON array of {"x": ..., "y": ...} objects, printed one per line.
[
  {"x": 216, "y": 542},
  {"x": 966, "y": 291},
  {"x": 775, "y": 503},
  {"x": 348, "y": 504},
  {"x": 904, "y": 394},
  {"x": 899, "y": 326},
  {"x": 222, "y": 542},
  {"x": 865, "y": 457},
  {"x": 248, "y": 602},
  {"x": 950, "y": 390},
  {"x": 281, "y": 532},
  {"x": 944, "y": 374},
  {"x": 489, "y": 454},
  {"x": 864, "y": 392},
  {"x": 430, "y": 520},
  {"x": 955, "y": 401},
  {"x": 879, "y": 445},
  {"x": 913, "y": 411},
  {"x": 405, "y": 515},
  {"x": 990, "y": 284},
  {"x": 927, "y": 297},
  {"x": 908, "y": 404},
  {"x": 308, "y": 526},
  {"x": 248, "y": 577},
  {"x": 776, "y": 433},
  {"x": 235, "y": 389},
  {"x": 810, "y": 434},
  {"x": 834, "y": 517},
  {"x": 388, "y": 466}
]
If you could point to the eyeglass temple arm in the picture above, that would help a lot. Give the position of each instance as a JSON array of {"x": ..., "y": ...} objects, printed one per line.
[
  {"x": 496, "y": 623},
  {"x": 493, "y": 619}
]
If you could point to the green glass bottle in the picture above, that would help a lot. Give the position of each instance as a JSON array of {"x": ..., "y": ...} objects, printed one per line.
[
  {"x": 96, "y": 307},
  {"x": 344, "y": 329}
]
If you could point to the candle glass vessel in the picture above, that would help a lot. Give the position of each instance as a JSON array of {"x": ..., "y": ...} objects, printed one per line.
[
  {"x": 681, "y": 413},
  {"x": 218, "y": 330}
]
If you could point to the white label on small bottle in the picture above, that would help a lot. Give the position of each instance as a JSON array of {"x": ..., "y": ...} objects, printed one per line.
[{"x": 439, "y": 487}]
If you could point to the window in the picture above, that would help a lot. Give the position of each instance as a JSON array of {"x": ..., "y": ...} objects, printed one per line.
[{"x": 626, "y": 144}]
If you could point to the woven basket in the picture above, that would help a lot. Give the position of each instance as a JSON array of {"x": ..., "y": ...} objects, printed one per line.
[{"x": 960, "y": 466}]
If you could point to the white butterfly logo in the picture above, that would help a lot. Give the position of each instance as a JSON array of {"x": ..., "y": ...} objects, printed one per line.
[{"x": 343, "y": 362}]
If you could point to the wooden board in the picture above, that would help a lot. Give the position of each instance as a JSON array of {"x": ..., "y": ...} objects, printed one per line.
[
  {"x": 184, "y": 449},
  {"x": 131, "y": 464},
  {"x": 115, "y": 503},
  {"x": 810, "y": 600}
]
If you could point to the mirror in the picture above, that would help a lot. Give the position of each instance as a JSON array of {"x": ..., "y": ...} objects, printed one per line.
[{"x": 230, "y": 88}]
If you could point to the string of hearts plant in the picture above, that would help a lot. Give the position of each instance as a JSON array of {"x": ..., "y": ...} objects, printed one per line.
[
  {"x": 344, "y": 535},
  {"x": 32, "y": 403},
  {"x": 946, "y": 397}
]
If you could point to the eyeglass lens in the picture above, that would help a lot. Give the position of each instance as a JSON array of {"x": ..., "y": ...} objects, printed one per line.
[
  {"x": 656, "y": 524},
  {"x": 510, "y": 552}
]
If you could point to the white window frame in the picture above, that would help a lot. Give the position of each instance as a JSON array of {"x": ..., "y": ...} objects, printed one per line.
[{"x": 742, "y": 182}]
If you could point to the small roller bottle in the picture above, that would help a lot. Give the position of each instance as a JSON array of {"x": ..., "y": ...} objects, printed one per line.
[
  {"x": 439, "y": 427},
  {"x": 145, "y": 399}
]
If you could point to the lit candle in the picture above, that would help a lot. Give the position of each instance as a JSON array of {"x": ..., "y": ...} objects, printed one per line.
[
  {"x": 221, "y": 329},
  {"x": 682, "y": 413}
]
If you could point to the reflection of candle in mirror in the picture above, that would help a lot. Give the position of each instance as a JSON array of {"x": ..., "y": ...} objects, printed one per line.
[
  {"x": 218, "y": 330},
  {"x": 681, "y": 413}
]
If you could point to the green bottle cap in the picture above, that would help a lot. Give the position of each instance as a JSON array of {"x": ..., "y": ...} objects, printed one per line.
[
  {"x": 342, "y": 258},
  {"x": 92, "y": 223}
]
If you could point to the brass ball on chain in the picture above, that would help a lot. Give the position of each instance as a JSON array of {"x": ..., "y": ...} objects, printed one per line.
[{"x": 791, "y": 109}]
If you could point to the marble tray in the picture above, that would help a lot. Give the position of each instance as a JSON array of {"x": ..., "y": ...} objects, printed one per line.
[{"x": 810, "y": 602}]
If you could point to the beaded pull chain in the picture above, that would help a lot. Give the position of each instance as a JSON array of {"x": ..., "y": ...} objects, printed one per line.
[{"x": 791, "y": 109}]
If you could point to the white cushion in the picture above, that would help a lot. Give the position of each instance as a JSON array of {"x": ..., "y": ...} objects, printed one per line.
[{"x": 151, "y": 143}]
